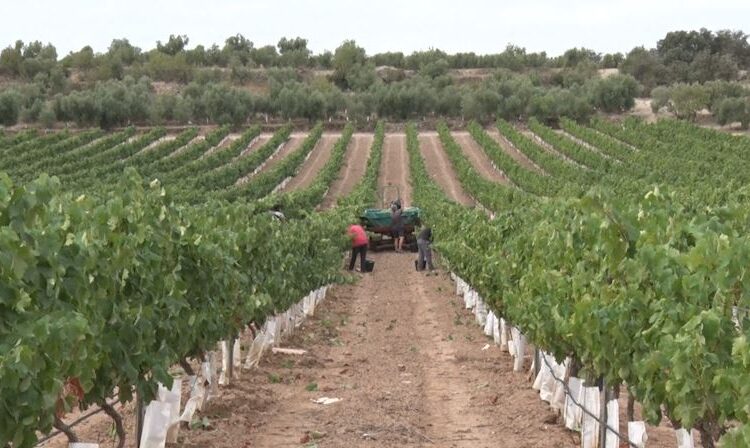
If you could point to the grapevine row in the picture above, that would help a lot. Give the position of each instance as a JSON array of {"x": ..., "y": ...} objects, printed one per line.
[{"x": 523, "y": 178}]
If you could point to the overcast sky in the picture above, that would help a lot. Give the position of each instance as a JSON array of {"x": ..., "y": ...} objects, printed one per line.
[{"x": 482, "y": 26}]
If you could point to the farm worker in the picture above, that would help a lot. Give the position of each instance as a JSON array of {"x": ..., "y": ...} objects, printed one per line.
[
  {"x": 397, "y": 224},
  {"x": 424, "y": 242},
  {"x": 359, "y": 246}
]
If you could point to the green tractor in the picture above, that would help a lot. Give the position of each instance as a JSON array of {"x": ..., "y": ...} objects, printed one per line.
[{"x": 377, "y": 221}]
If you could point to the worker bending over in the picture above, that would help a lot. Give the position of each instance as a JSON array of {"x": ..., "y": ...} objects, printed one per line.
[{"x": 359, "y": 246}]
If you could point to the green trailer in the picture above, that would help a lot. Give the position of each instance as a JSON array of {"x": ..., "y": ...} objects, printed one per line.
[{"x": 377, "y": 222}]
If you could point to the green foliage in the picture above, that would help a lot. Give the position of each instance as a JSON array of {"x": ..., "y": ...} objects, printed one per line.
[
  {"x": 487, "y": 193},
  {"x": 10, "y": 107},
  {"x": 293, "y": 52},
  {"x": 298, "y": 203},
  {"x": 109, "y": 104},
  {"x": 687, "y": 99},
  {"x": 610, "y": 60},
  {"x": 570, "y": 148},
  {"x": 615, "y": 93},
  {"x": 365, "y": 193},
  {"x": 527, "y": 180},
  {"x": 228, "y": 174},
  {"x": 351, "y": 71},
  {"x": 734, "y": 109},
  {"x": 265, "y": 182},
  {"x": 628, "y": 284},
  {"x": 175, "y": 45},
  {"x": 576, "y": 56},
  {"x": 152, "y": 261},
  {"x": 163, "y": 66}
]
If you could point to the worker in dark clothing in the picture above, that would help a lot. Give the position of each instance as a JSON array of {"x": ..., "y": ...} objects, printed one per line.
[
  {"x": 397, "y": 224},
  {"x": 424, "y": 243}
]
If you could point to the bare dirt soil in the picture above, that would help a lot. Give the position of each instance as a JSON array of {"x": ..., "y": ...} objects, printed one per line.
[
  {"x": 585, "y": 144},
  {"x": 355, "y": 163},
  {"x": 294, "y": 142},
  {"x": 479, "y": 159},
  {"x": 512, "y": 151},
  {"x": 310, "y": 168},
  {"x": 394, "y": 168},
  {"x": 225, "y": 143},
  {"x": 407, "y": 362},
  {"x": 441, "y": 169},
  {"x": 549, "y": 148},
  {"x": 182, "y": 148},
  {"x": 255, "y": 144}
]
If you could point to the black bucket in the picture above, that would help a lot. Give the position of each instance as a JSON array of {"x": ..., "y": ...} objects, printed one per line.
[{"x": 369, "y": 265}]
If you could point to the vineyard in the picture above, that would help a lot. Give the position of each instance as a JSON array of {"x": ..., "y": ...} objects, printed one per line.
[{"x": 615, "y": 252}]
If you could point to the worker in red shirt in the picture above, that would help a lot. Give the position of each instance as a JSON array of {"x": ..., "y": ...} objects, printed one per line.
[{"x": 359, "y": 246}]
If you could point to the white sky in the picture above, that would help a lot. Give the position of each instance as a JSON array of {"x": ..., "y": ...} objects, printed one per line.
[{"x": 482, "y": 26}]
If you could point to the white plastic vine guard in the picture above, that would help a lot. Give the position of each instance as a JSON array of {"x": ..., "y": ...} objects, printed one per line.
[
  {"x": 684, "y": 438},
  {"x": 195, "y": 401},
  {"x": 489, "y": 324},
  {"x": 172, "y": 397},
  {"x": 613, "y": 421},
  {"x": 545, "y": 381},
  {"x": 155, "y": 425},
  {"x": 480, "y": 311},
  {"x": 256, "y": 350},
  {"x": 572, "y": 413},
  {"x": 496, "y": 332},
  {"x": 223, "y": 377},
  {"x": 637, "y": 433},
  {"x": 518, "y": 344},
  {"x": 590, "y": 426},
  {"x": 503, "y": 335}
]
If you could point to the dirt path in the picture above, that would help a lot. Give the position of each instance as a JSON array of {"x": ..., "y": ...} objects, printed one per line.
[
  {"x": 405, "y": 358},
  {"x": 407, "y": 362},
  {"x": 255, "y": 144},
  {"x": 550, "y": 148},
  {"x": 394, "y": 168},
  {"x": 512, "y": 151},
  {"x": 355, "y": 163},
  {"x": 441, "y": 169},
  {"x": 310, "y": 168},
  {"x": 182, "y": 148},
  {"x": 586, "y": 145},
  {"x": 479, "y": 159},
  {"x": 294, "y": 142},
  {"x": 225, "y": 143}
]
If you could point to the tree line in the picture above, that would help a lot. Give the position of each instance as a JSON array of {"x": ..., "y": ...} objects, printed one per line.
[
  {"x": 135, "y": 101},
  {"x": 238, "y": 82}
]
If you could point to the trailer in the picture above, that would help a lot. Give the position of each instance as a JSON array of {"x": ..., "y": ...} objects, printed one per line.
[{"x": 378, "y": 222}]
